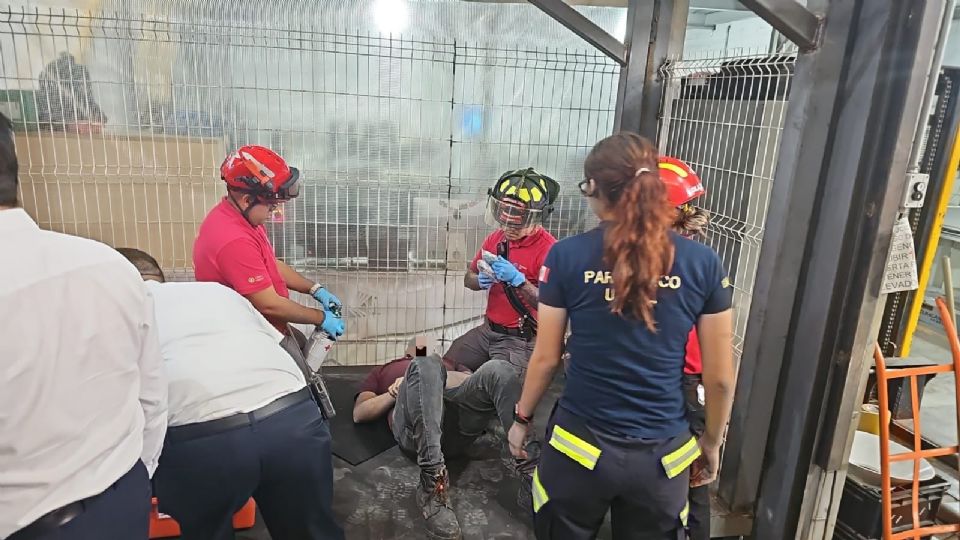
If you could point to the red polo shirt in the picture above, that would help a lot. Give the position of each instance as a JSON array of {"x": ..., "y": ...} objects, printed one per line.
[
  {"x": 230, "y": 251},
  {"x": 693, "y": 361},
  {"x": 527, "y": 254}
]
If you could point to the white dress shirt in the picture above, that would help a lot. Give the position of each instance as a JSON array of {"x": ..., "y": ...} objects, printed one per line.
[
  {"x": 220, "y": 355},
  {"x": 82, "y": 394}
]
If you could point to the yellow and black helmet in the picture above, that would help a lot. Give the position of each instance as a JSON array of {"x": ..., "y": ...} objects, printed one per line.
[{"x": 521, "y": 198}]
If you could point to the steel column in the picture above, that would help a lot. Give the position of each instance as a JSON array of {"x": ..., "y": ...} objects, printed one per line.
[
  {"x": 857, "y": 179},
  {"x": 655, "y": 29},
  {"x": 790, "y": 18},
  {"x": 828, "y": 204},
  {"x": 807, "y": 127}
]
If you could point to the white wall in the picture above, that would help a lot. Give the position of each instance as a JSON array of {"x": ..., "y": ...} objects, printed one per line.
[{"x": 751, "y": 34}]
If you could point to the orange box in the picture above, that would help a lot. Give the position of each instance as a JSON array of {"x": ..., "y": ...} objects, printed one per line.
[{"x": 164, "y": 526}]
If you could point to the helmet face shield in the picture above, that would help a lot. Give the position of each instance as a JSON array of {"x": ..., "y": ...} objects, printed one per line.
[
  {"x": 291, "y": 188},
  {"x": 510, "y": 213}
]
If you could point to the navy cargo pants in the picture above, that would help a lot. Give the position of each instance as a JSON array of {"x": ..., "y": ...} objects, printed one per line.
[
  {"x": 584, "y": 472},
  {"x": 282, "y": 461}
]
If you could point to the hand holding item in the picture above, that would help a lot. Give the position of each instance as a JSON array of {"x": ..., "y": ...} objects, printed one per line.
[
  {"x": 704, "y": 469},
  {"x": 506, "y": 272},
  {"x": 332, "y": 325},
  {"x": 326, "y": 298},
  {"x": 516, "y": 439}
]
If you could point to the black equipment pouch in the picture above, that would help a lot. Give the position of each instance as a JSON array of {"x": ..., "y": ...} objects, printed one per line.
[{"x": 527, "y": 321}]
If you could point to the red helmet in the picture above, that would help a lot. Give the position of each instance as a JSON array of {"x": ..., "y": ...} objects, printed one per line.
[
  {"x": 683, "y": 183},
  {"x": 260, "y": 171}
]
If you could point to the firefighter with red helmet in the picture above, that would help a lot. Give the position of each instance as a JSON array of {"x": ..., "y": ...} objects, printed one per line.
[
  {"x": 683, "y": 187},
  {"x": 232, "y": 247}
]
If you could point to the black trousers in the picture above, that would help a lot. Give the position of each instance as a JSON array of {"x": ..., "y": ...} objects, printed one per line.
[
  {"x": 282, "y": 461},
  {"x": 120, "y": 512},
  {"x": 628, "y": 479},
  {"x": 698, "y": 524}
]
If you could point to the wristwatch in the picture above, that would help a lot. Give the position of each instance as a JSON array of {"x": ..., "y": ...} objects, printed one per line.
[
  {"x": 316, "y": 287},
  {"x": 520, "y": 418}
]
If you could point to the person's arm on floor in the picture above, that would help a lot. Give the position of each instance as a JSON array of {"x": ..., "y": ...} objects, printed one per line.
[{"x": 369, "y": 406}]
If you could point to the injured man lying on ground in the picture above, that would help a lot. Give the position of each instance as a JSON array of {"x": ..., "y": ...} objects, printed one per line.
[{"x": 436, "y": 414}]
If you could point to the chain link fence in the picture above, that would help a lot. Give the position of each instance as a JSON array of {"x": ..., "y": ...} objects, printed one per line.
[{"x": 124, "y": 115}]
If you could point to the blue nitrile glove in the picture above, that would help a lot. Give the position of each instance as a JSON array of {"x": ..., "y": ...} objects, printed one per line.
[
  {"x": 486, "y": 280},
  {"x": 326, "y": 298},
  {"x": 332, "y": 325},
  {"x": 507, "y": 272}
]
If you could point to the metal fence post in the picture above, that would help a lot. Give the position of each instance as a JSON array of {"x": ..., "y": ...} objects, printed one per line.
[{"x": 653, "y": 33}]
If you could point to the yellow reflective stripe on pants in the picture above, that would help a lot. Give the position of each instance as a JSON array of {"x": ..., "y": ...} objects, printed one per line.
[
  {"x": 574, "y": 447},
  {"x": 540, "y": 497},
  {"x": 685, "y": 513},
  {"x": 677, "y": 461}
]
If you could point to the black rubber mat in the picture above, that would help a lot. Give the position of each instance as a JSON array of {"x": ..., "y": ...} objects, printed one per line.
[{"x": 354, "y": 443}]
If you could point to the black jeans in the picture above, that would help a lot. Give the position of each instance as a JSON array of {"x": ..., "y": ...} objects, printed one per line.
[
  {"x": 423, "y": 402},
  {"x": 120, "y": 512},
  {"x": 698, "y": 523},
  {"x": 282, "y": 461}
]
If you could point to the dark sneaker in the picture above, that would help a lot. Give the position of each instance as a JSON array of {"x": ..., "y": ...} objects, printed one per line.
[{"x": 433, "y": 500}]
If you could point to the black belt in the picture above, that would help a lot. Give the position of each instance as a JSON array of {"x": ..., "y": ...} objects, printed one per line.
[
  {"x": 50, "y": 522},
  {"x": 518, "y": 332},
  {"x": 202, "y": 429}
]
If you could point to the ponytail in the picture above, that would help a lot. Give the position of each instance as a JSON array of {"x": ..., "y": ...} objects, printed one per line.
[
  {"x": 637, "y": 245},
  {"x": 691, "y": 221}
]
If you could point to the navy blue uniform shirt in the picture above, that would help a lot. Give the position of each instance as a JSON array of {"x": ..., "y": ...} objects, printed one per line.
[{"x": 621, "y": 377}]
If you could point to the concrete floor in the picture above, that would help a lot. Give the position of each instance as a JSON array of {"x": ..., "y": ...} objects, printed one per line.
[{"x": 375, "y": 500}]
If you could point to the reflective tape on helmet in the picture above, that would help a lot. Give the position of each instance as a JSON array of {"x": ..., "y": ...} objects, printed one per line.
[
  {"x": 574, "y": 447},
  {"x": 677, "y": 461},
  {"x": 540, "y": 497},
  {"x": 676, "y": 169},
  {"x": 685, "y": 513}
]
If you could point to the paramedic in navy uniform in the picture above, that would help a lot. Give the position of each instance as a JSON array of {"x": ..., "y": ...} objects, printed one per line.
[{"x": 631, "y": 290}]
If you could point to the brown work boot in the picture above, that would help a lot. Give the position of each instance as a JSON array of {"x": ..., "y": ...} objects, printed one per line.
[{"x": 433, "y": 499}]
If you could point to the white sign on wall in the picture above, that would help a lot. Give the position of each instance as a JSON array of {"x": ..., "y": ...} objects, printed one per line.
[{"x": 900, "y": 273}]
